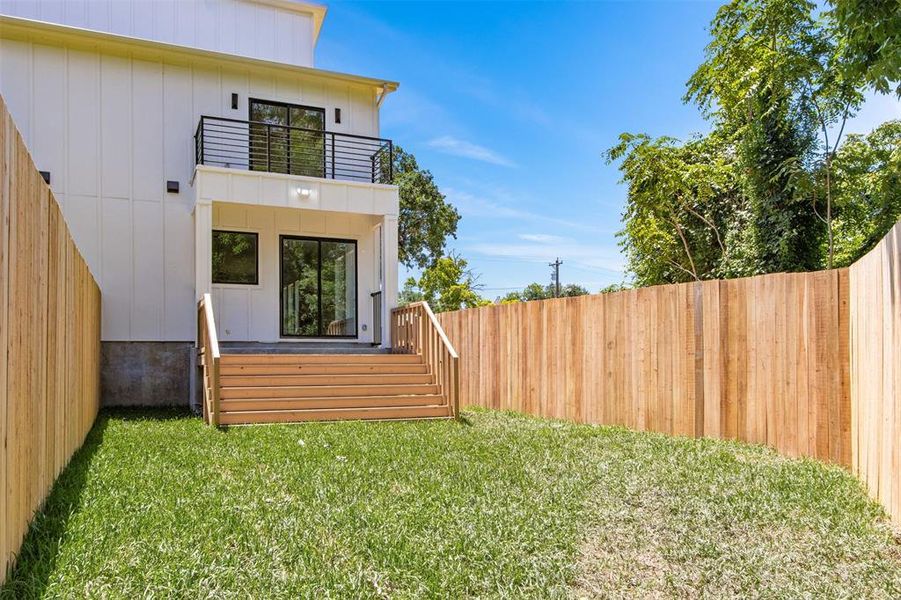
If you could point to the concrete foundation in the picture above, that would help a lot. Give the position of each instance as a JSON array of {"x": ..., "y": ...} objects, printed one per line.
[{"x": 146, "y": 373}]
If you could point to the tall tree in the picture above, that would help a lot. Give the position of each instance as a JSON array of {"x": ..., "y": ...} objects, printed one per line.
[
  {"x": 426, "y": 218},
  {"x": 762, "y": 55},
  {"x": 773, "y": 187}
]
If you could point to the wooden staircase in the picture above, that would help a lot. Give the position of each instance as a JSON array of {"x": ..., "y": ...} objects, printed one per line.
[
  {"x": 273, "y": 388},
  {"x": 417, "y": 379}
]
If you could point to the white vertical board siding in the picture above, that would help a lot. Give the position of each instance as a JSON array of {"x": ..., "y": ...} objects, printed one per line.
[
  {"x": 251, "y": 312},
  {"x": 112, "y": 129},
  {"x": 240, "y": 27}
]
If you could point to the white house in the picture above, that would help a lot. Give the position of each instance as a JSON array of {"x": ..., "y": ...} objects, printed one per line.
[{"x": 194, "y": 148}]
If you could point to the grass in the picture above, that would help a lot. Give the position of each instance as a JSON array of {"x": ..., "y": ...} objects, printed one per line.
[{"x": 158, "y": 505}]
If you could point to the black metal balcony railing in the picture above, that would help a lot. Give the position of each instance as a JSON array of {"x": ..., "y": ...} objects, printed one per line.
[{"x": 256, "y": 146}]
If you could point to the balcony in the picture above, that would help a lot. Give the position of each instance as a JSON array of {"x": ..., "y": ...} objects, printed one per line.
[{"x": 273, "y": 148}]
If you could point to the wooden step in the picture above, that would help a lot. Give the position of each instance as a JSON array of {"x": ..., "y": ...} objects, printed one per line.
[
  {"x": 346, "y": 414},
  {"x": 326, "y": 391},
  {"x": 331, "y": 359},
  {"x": 323, "y": 369},
  {"x": 263, "y": 404},
  {"x": 305, "y": 380}
]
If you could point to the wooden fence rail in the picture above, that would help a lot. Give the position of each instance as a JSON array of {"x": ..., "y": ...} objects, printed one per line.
[{"x": 49, "y": 342}]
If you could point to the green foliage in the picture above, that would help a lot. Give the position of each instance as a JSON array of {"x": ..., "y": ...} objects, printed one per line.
[
  {"x": 683, "y": 200},
  {"x": 763, "y": 73},
  {"x": 756, "y": 195},
  {"x": 785, "y": 232},
  {"x": 536, "y": 291},
  {"x": 446, "y": 285},
  {"x": 613, "y": 287},
  {"x": 234, "y": 257},
  {"x": 760, "y": 50},
  {"x": 426, "y": 219},
  {"x": 871, "y": 41},
  {"x": 867, "y": 183}
]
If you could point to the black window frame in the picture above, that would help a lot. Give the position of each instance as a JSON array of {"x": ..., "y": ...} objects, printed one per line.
[
  {"x": 281, "y": 298},
  {"x": 288, "y": 106},
  {"x": 256, "y": 261}
]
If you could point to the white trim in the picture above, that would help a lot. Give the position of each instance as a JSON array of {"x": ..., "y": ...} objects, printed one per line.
[{"x": 290, "y": 177}]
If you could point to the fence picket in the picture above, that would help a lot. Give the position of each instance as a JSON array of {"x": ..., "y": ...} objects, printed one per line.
[{"x": 50, "y": 339}]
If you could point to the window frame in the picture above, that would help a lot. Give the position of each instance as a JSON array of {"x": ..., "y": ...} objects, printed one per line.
[{"x": 256, "y": 235}]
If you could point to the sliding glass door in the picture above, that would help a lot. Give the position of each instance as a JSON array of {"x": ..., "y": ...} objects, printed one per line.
[
  {"x": 287, "y": 138},
  {"x": 318, "y": 287}
]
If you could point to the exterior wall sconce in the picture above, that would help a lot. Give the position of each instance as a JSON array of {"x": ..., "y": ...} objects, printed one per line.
[
  {"x": 304, "y": 192},
  {"x": 234, "y": 101},
  {"x": 172, "y": 187},
  {"x": 45, "y": 175},
  {"x": 337, "y": 115}
]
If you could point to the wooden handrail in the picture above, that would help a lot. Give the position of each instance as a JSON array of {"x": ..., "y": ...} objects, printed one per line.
[
  {"x": 208, "y": 344},
  {"x": 415, "y": 330}
]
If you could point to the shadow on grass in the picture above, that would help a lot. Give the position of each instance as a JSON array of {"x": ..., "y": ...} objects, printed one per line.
[
  {"x": 39, "y": 553},
  {"x": 142, "y": 413},
  {"x": 465, "y": 419}
]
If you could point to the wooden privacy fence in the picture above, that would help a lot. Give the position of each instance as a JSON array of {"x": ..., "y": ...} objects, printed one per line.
[
  {"x": 809, "y": 363},
  {"x": 875, "y": 295},
  {"x": 49, "y": 339},
  {"x": 757, "y": 359}
]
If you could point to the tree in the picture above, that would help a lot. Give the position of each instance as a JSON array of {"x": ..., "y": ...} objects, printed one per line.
[
  {"x": 871, "y": 41},
  {"x": 536, "y": 291},
  {"x": 867, "y": 190},
  {"x": 426, "y": 219},
  {"x": 763, "y": 68},
  {"x": 446, "y": 285},
  {"x": 684, "y": 216},
  {"x": 771, "y": 188}
]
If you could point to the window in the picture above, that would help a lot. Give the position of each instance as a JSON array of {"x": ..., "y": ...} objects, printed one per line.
[
  {"x": 235, "y": 257},
  {"x": 287, "y": 138}
]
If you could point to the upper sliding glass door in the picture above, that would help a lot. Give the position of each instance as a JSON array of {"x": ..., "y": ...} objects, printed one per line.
[
  {"x": 318, "y": 287},
  {"x": 287, "y": 138}
]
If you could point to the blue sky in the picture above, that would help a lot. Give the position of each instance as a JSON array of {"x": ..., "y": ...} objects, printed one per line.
[{"x": 511, "y": 106}]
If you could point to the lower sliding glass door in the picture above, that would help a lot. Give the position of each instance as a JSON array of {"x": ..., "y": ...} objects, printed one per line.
[{"x": 318, "y": 287}]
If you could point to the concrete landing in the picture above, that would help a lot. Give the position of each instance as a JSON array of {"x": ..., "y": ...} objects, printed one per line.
[{"x": 300, "y": 348}]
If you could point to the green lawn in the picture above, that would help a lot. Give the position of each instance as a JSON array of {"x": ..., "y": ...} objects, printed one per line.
[{"x": 158, "y": 505}]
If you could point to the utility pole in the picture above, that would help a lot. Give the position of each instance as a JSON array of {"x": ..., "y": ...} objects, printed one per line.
[{"x": 555, "y": 276}]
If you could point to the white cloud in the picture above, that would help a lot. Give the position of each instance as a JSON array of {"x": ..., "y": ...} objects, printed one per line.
[
  {"x": 593, "y": 257},
  {"x": 457, "y": 147},
  {"x": 499, "y": 207},
  {"x": 541, "y": 238}
]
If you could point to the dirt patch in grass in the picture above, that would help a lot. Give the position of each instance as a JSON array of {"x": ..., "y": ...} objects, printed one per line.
[{"x": 719, "y": 519}]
